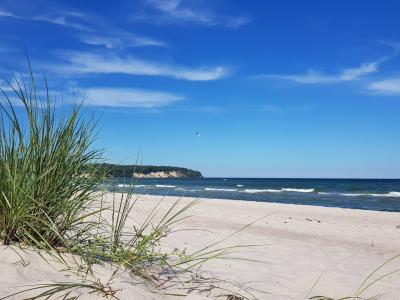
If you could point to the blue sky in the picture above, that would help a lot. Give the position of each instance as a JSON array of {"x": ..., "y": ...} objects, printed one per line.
[{"x": 275, "y": 88}]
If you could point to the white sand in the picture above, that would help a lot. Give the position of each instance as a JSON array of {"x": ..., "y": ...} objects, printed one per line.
[{"x": 299, "y": 243}]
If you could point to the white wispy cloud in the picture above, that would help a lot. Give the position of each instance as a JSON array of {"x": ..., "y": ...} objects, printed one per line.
[
  {"x": 98, "y": 32},
  {"x": 6, "y": 13},
  {"x": 311, "y": 77},
  {"x": 100, "y": 97},
  {"x": 314, "y": 77},
  {"x": 389, "y": 87},
  {"x": 362, "y": 70},
  {"x": 120, "y": 40},
  {"x": 89, "y": 63},
  {"x": 58, "y": 19},
  {"x": 127, "y": 97},
  {"x": 62, "y": 21},
  {"x": 392, "y": 44},
  {"x": 114, "y": 37},
  {"x": 187, "y": 11}
]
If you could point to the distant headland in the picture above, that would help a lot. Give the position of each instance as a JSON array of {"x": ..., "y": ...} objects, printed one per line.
[{"x": 138, "y": 171}]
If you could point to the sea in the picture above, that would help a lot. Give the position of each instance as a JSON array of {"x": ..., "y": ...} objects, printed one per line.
[{"x": 369, "y": 194}]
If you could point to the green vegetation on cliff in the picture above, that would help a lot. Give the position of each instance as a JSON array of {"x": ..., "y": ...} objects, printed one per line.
[{"x": 115, "y": 170}]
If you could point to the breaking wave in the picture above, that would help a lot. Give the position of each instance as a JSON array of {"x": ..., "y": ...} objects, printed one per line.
[
  {"x": 298, "y": 190},
  {"x": 131, "y": 185},
  {"x": 123, "y": 185},
  {"x": 390, "y": 194},
  {"x": 220, "y": 190},
  {"x": 165, "y": 186},
  {"x": 254, "y": 191}
]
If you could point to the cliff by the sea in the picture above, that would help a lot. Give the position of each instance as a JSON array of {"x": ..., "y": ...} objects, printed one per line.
[{"x": 137, "y": 171}]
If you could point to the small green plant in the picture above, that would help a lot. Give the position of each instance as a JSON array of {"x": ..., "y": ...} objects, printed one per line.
[
  {"x": 45, "y": 182},
  {"x": 137, "y": 249}
]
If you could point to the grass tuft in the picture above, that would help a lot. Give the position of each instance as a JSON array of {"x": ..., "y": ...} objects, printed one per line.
[
  {"x": 45, "y": 183},
  {"x": 49, "y": 200}
]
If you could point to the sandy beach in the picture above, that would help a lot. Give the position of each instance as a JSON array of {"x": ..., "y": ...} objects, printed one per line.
[
  {"x": 296, "y": 245},
  {"x": 199, "y": 149}
]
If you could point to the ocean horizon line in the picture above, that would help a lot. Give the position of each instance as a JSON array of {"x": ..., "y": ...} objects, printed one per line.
[{"x": 316, "y": 178}]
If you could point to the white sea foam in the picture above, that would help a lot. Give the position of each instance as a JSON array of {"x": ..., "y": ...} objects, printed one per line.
[
  {"x": 185, "y": 190},
  {"x": 165, "y": 186},
  {"x": 390, "y": 194},
  {"x": 130, "y": 185},
  {"x": 394, "y": 194},
  {"x": 325, "y": 193},
  {"x": 239, "y": 185},
  {"x": 352, "y": 195},
  {"x": 221, "y": 190},
  {"x": 254, "y": 191},
  {"x": 124, "y": 185},
  {"x": 298, "y": 190}
]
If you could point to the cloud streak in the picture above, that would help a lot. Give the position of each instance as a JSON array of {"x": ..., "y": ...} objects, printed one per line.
[
  {"x": 102, "y": 97},
  {"x": 314, "y": 77},
  {"x": 187, "y": 11},
  {"x": 127, "y": 97},
  {"x": 6, "y": 13},
  {"x": 110, "y": 37},
  {"x": 120, "y": 40},
  {"x": 389, "y": 87},
  {"x": 82, "y": 63},
  {"x": 62, "y": 21},
  {"x": 57, "y": 19}
]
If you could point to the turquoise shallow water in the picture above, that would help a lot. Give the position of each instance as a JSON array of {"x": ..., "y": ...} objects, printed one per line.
[{"x": 372, "y": 194}]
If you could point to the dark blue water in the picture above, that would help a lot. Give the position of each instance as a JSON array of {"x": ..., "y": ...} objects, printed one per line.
[{"x": 372, "y": 194}]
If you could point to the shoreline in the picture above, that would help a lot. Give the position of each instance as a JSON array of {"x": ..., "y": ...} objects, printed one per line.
[
  {"x": 267, "y": 202},
  {"x": 373, "y": 194},
  {"x": 297, "y": 247}
]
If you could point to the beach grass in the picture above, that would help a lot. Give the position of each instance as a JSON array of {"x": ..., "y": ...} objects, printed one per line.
[
  {"x": 50, "y": 201},
  {"x": 44, "y": 180}
]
